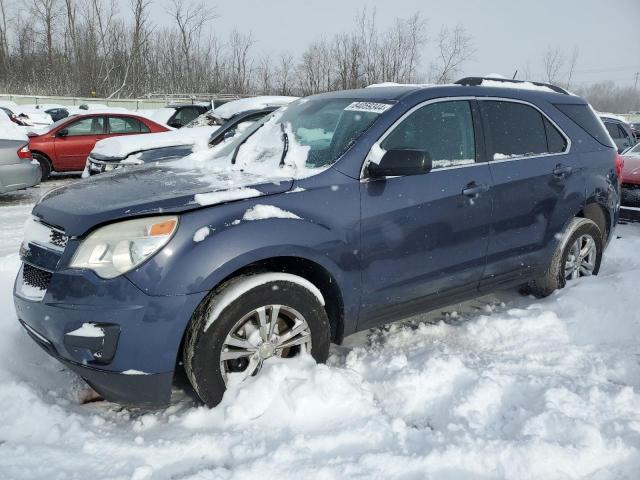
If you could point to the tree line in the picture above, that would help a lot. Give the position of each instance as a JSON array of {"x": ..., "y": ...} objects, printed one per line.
[{"x": 89, "y": 47}]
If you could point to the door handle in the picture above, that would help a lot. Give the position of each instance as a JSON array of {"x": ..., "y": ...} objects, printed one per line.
[
  {"x": 474, "y": 189},
  {"x": 562, "y": 170}
]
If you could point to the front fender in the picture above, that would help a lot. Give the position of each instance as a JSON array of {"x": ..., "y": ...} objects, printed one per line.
[{"x": 320, "y": 235}]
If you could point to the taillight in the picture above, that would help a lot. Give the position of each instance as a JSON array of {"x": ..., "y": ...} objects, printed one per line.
[
  {"x": 619, "y": 166},
  {"x": 24, "y": 153}
]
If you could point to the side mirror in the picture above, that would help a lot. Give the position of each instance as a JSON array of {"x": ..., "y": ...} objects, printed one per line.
[
  {"x": 400, "y": 162},
  {"x": 62, "y": 133}
]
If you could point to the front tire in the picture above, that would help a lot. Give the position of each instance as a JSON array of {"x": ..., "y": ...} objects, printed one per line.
[
  {"x": 45, "y": 166},
  {"x": 276, "y": 318},
  {"x": 578, "y": 254}
]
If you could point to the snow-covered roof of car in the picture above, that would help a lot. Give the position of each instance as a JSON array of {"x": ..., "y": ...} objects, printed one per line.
[
  {"x": 234, "y": 107},
  {"x": 9, "y": 130},
  {"x": 125, "y": 145}
]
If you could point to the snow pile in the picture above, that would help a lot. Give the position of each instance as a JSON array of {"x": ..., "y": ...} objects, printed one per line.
[
  {"x": 222, "y": 196},
  {"x": 518, "y": 85},
  {"x": 263, "y": 212},
  {"x": 201, "y": 234},
  {"x": 229, "y": 109},
  {"x": 88, "y": 330},
  {"x": 504, "y": 387},
  {"x": 9, "y": 130},
  {"x": 124, "y": 145}
]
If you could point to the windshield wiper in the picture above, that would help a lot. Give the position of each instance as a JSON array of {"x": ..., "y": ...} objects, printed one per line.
[
  {"x": 285, "y": 141},
  {"x": 237, "y": 149}
]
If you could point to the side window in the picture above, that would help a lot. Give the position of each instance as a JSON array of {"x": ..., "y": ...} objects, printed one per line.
[
  {"x": 126, "y": 125},
  {"x": 444, "y": 130},
  {"x": 185, "y": 115},
  {"x": 613, "y": 130},
  {"x": 556, "y": 143},
  {"x": 623, "y": 133},
  {"x": 515, "y": 130},
  {"x": 86, "y": 126}
]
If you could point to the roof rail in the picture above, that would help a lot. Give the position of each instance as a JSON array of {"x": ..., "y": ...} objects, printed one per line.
[{"x": 476, "y": 81}]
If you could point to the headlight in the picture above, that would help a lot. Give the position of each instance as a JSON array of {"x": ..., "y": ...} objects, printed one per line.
[{"x": 115, "y": 249}]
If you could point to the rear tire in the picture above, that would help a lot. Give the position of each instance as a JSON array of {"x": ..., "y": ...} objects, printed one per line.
[
  {"x": 578, "y": 254},
  {"x": 298, "y": 313},
  {"x": 45, "y": 166}
]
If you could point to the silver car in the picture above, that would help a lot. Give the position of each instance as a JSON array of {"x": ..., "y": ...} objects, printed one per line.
[{"x": 17, "y": 169}]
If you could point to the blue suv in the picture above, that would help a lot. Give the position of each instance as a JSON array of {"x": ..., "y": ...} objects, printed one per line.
[{"x": 341, "y": 212}]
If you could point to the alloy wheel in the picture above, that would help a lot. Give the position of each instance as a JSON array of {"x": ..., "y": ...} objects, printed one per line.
[
  {"x": 268, "y": 331},
  {"x": 581, "y": 260}
]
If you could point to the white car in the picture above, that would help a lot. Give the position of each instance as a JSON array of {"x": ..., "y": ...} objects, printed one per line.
[{"x": 119, "y": 152}]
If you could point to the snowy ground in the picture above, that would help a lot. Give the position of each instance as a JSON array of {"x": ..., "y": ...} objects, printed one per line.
[{"x": 509, "y": 387}]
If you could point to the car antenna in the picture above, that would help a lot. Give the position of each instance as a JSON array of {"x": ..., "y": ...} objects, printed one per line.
[{"x": 514, "y": 75}]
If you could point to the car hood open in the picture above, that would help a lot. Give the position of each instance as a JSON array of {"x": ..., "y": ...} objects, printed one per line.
[{"x": 147, "y": 190}]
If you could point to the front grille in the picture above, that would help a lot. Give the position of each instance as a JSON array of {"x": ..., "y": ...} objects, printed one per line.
[
  {"x": 35, "y": 277},
  {"x": 58, "y": 239}
]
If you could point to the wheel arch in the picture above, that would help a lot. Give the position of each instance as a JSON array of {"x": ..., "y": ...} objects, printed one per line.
[
  {"x": 600, "y": 216},
  {"x": 303, "y": 267}
]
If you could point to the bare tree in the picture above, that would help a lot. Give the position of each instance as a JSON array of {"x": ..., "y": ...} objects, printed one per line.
[
  {"x": 139, "y": 35},
  {"x": 553, "y": 63},
  {"x": 45, "y": 13},
  {"x": 455, "y": 46},
  {"x": 190, "y": 20},
  {"x": 4, "y": 40},
  {"x": 284, "y": 74},
  {"x": 239, "y": 61},
  {"x": 573, "y": 60}
]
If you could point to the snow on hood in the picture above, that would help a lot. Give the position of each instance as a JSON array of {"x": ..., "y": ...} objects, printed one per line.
[
  {"x": 9, "y": 130},
  {"x": 122, "y": 146},
  {"x": 234, "y": 107}
]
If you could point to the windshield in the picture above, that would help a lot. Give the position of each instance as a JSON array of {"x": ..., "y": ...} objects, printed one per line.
[{"x": 301, "y": 139}]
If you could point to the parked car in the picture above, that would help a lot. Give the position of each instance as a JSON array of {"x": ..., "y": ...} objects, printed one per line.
[
  {"x": 178, "y": 115},
  {"x": 213, "y": 128},
  {"x": 620, "y": 132},
  {"x": 12, "y": 116},
  {"x": 344, "y": 211},
  {"x": 18, "y": 170},
  {"x": 66, "y": 144},
  {"x": 635, "y": 128},
  {"x": 57, "y": 113},
  {"x": 631, "y": 177}
]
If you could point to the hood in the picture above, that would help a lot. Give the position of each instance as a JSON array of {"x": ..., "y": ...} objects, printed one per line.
[
  {"x": 147, "y": 190},
  {"x": 119, "y": 147}
]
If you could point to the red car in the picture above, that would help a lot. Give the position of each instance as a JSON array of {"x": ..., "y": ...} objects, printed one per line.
[
  {"x": 631, "y": 177},
  {"x": 66, "y": 144}
]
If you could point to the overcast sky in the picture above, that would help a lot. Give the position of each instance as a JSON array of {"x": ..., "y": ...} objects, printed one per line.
[{"x": 508, "y": 34}]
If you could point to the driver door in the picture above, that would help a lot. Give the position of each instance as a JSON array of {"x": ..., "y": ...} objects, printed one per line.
[
  {"x": 81, "y": 136},
  {"x": 425, "y": 237}
]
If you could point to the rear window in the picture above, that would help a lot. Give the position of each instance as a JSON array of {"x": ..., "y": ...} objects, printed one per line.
[
  {"x": 514, "y": 130},
  {"x": 586, "y": 119}
]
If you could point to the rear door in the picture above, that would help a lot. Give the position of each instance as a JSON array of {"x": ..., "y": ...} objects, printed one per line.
[
  {"x": 425, "y": 237},
  {"x": 81, "y": 136},
  {"x": 124, "y": 125},
  {"x": 532, "y": 172}
]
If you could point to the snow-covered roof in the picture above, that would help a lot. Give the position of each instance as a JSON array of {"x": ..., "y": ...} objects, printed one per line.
[
  {"x": 234, "y": 107},
  {"x": 122, "y": 146},
  {"x": 612, "y": 116},
  {"x": 487, "y": 82}
]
